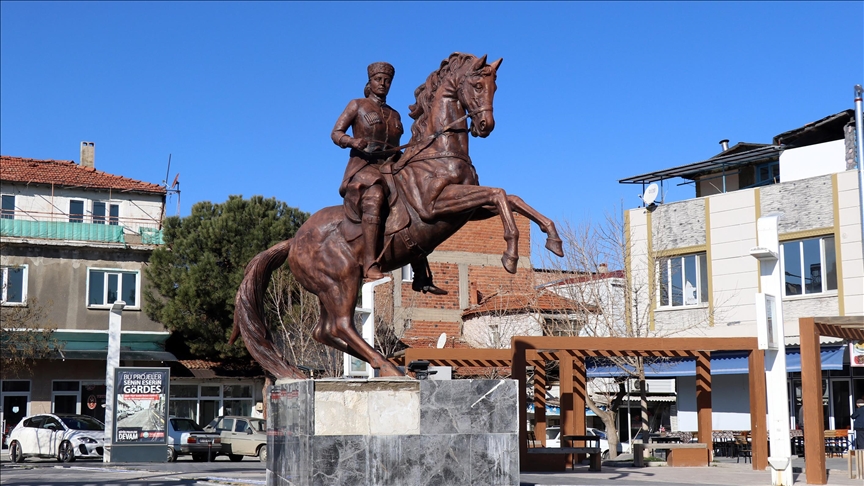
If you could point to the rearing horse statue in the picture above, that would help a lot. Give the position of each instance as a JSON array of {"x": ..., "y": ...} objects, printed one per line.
[{"x": 437, "y": 193}]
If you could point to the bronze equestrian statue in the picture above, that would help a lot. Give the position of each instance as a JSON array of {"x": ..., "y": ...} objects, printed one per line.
[{"x": 433, "y": 192}]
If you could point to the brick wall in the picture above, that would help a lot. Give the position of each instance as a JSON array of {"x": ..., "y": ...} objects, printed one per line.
[
  {"x": 488, "y": 237},
  {"x": 426, "y": 315}
]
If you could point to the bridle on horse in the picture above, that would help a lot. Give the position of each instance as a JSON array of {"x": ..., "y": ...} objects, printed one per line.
[{"x": 431, "y": 138}]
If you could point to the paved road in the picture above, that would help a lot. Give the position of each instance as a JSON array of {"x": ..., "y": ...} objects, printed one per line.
[
  {"x": 185, "y": 472},
  {"x": 38, "y": 472}
]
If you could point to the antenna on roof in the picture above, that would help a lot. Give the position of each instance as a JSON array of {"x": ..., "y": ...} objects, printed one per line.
[{"x": 170, "y": 189}]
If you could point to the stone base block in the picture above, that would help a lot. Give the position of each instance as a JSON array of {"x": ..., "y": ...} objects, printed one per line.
[{"x": 384, "y": 431}]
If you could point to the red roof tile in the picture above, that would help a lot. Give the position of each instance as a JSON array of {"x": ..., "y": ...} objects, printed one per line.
[
  {"x": 68, "y": 173},
  {"x": 541, "y": 301}
]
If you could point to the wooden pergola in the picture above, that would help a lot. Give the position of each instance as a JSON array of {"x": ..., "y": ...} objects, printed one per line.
[
  {"x": 811, "y": 329},
  {"x": 571, "y": 352}
]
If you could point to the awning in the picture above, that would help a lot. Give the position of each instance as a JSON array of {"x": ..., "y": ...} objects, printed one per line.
[
  {"x": 78, "y": 354},
  {"x": 722, "y": 363}
]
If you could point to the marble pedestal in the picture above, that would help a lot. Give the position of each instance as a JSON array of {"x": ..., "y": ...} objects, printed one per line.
[{"x": 393, "y": 432}]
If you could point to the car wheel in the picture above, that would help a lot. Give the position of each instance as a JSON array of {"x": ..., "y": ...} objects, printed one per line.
[
  {"x": 172, "y": 454},
  {"x": 235, "y": 457},
  {"x": 66, "y": 453},
  {"x": 262, "y": 453},
  {"x": 605, "y": 455},
  {"x": 15, "y": 452}
]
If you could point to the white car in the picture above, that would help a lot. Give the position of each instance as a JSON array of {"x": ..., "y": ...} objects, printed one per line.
[
  {"x": 553, "y": 439},
  {"x": 64, "y": 436}
]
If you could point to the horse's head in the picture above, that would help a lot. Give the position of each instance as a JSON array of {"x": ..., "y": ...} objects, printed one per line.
[{"x": 476, "y": 92}]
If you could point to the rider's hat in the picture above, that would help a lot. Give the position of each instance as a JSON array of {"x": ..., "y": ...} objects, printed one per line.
[{"x": 381, "y": 67}]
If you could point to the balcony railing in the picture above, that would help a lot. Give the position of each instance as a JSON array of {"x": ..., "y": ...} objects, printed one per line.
[{"x": 80, "y": 227}]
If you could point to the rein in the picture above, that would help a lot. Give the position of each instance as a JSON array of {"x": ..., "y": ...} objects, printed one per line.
[{"x": 431, "y": 138}]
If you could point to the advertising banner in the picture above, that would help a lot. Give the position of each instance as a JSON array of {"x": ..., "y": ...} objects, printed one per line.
[
  {"x": 141, "y": 407},
  {"x": 856, "y": 353}
]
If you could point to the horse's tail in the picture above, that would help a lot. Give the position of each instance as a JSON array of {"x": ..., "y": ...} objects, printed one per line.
[{"x": 249, "y": 312}]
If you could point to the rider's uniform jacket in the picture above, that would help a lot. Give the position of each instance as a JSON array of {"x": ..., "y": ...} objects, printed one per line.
[{"x": 373, "y": 121}]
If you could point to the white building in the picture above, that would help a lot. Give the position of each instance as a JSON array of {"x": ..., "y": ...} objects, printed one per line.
[{"x": 693, "y": 258}]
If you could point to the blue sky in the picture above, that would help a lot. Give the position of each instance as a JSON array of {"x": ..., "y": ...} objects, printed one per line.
[{"x": 244, "y": 95}]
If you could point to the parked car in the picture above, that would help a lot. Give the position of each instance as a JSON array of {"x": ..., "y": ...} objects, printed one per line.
[
  {"x": 64, "y": 436},
  {"x": 241, "y": 436},
  {"x": 553, "y": 439},
  {"x": 185, "y": 436}
]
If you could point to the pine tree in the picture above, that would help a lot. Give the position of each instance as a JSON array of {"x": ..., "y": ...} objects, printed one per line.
[{"x": 193, "y": 279}]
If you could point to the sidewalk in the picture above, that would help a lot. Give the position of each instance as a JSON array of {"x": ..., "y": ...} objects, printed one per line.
[{"x": 723, "y": 472}]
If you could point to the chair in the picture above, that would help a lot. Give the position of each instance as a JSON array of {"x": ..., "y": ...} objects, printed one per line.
[
  {"x": 743, "y": 448},
  {"x": 532, "y": 439},
  {"x": 836, "y": 442}
]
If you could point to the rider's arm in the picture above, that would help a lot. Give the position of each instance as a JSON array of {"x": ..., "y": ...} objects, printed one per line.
[{"x": 345, "y": 120}]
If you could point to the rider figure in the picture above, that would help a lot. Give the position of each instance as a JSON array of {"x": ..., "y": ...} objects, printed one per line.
[{"x": 376, "y": 129}]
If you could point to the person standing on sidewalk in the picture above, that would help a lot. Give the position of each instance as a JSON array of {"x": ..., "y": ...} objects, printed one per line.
[{"x": 858, "y": 423}]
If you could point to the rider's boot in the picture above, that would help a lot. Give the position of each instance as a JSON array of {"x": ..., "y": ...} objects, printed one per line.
[
  {"x": 430, "y": 288},
  {"x": 423, "y": 279},
  {"x": 371, "y": 225}
]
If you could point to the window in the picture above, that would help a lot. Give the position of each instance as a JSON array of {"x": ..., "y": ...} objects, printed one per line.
[
  {"x": 225, "y": 424},
  {"x": 809, "y": 266},
  {"x": 8, "y": 208},
  {"x": 683, "y": 280},
  {"x": 64, "y": 396},
  {"x": 14, "y": 285},
  {"x": 768, "y": 174},
  {"x": 104, "y": 287},
  {"x": 99, "y": 213},
  {"x": 76, "y": 211}
]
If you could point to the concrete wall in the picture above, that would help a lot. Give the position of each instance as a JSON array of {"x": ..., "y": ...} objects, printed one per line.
[
  {"x": 45, "y": 203},
  {"x": 812, "y": 161},
  {"x": 57, "y": 277},
  {"x": 849, "y": 244},
  {"x": 478, "y": 334}
]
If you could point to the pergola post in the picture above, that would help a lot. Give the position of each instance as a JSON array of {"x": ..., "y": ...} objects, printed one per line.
[
  {"x": 540, "y": 401},
  {"x": 568, "y": 415},
  {"x": 811, "y": 400},
  {"x": 517, "y": 372},
  {"x": 758, "y": 410},
  {"x": 580, "y": 391},
  {"x": 703, "y": 398}
]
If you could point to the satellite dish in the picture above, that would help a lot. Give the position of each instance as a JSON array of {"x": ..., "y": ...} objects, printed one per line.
[
  {"x": 651, "y": 193},
  {"x": 442, "y": 340}
]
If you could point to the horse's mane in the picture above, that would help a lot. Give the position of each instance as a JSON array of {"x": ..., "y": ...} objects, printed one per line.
[{"x": 425, "y": 93}]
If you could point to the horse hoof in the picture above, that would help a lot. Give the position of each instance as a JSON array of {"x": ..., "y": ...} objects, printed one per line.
[
  {"x": 555, "y": 246},
  {"x": 509, "y": 262},
  {"x": 389, "y": 370}
]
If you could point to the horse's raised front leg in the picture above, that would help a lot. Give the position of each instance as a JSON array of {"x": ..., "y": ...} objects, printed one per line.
[
  {"x": 553, "y": 241},
  {"x": 457, "y": 198}
]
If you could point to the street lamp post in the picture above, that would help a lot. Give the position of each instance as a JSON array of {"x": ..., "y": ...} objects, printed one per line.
[
  {"x": 114, "y": 326},
  {"x": 771, "y": 338}
]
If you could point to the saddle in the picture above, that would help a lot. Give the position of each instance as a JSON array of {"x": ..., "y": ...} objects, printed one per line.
[{"x": 398, "y": 216}]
